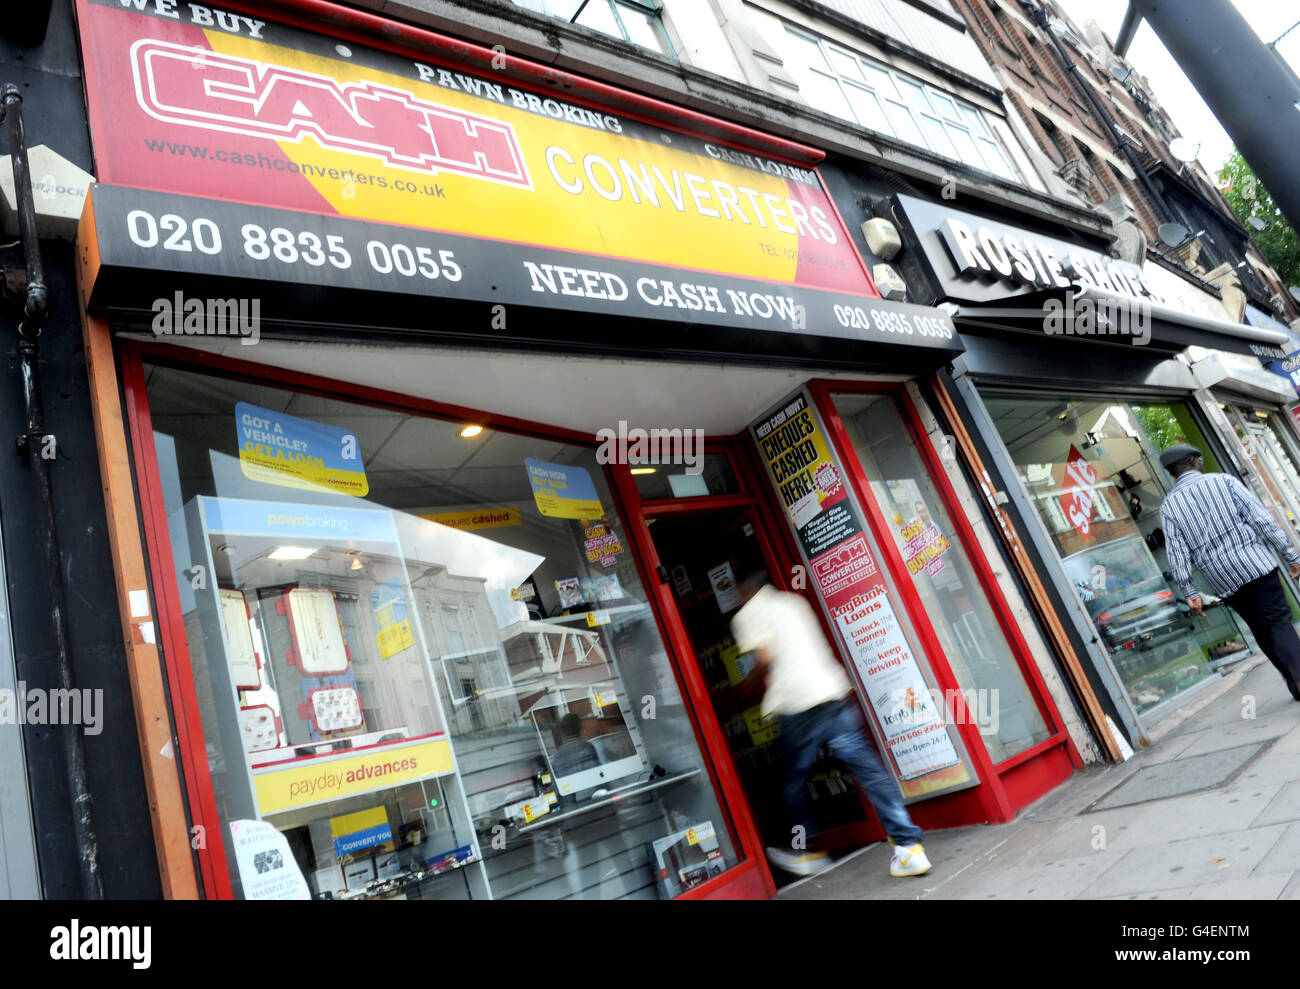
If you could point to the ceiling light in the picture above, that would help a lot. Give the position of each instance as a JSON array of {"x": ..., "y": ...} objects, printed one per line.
[
  {"x": 471, "y": 431},
  {"x": 291, "y": 553},
  {"x": 643, "y": 470}
]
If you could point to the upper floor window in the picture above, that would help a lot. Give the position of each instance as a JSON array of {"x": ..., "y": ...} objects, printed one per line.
[
  {"x": 872, "y": 94},
  {"x": 637, "y": 21}
]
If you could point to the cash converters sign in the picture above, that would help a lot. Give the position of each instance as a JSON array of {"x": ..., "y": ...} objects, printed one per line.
[
  {"x": 198, "y": 100},
  {"x": 316, "y": 782}
]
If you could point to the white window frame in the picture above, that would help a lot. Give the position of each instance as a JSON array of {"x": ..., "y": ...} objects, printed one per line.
[{"x": 985, "y": 144}]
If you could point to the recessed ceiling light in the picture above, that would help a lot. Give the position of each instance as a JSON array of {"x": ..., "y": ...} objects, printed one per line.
[
  {"x": 291, "y": 553},
  {"x": 643, "y": 470},
  {"x": 471, "y": 431}
]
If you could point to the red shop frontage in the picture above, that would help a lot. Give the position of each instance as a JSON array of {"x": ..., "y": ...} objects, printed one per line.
[{"x": 439, "y": 418}]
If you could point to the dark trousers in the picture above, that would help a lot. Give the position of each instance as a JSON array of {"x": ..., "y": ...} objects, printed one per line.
[
  {"x": 838, "y": 727},
  {"x": 1263, "y": 606}
]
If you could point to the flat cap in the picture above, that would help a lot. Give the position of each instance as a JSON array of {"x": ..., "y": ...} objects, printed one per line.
[{"x": 1177, "y": 453}]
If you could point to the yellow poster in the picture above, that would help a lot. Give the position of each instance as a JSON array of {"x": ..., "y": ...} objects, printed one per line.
[
  {"x": 281, "y": 788},
  {"x": 478, "y": 518}
]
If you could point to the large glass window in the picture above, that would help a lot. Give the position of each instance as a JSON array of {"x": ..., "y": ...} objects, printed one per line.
[
  {"x": 637, "y": 21},
  {"x": 856, "y": 88},
  {"x": 1270, "y": 446},
  {"x": 1091, "y": 468},
  {"x": 423, "y": 657},
  {"x": 973, "y": 641}
]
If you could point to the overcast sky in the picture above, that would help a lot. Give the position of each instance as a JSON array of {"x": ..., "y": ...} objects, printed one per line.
[{"x": 1148, "y": 56}]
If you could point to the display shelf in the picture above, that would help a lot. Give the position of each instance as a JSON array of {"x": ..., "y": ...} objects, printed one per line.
[
  {"x": 381, "y": 888},
  {"x": 581, "y": 616},
  {"x": 633, "y": 790}
]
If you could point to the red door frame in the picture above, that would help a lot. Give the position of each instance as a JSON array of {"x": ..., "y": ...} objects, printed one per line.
[
  {"x": 995, "y": 798},
  {"x": 749, "y": 878}
]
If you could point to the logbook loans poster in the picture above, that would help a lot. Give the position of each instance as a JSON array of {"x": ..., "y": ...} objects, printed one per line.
[{"x": 811, "y": 487}]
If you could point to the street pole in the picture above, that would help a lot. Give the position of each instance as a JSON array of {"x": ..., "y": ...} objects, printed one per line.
[{"x": 1249, "y": 90}]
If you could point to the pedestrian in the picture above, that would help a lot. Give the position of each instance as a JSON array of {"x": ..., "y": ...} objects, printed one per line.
[
  {"x": 1212, "y": 521},
  {"x": 808, "y": 691}
]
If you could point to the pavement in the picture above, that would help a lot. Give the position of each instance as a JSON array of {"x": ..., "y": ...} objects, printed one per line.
[{"x": 1209, "y": 811}]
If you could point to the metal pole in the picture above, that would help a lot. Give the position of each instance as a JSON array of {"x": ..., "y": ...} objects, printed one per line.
[
  {"x": 33, "y": 444},
  {"x": 1253, "y": 95}
]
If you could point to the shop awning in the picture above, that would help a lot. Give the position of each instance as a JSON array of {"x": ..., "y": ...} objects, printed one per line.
[{"x": 1085, "y": 314}]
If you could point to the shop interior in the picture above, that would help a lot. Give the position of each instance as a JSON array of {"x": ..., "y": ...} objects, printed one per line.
[{"x": 1119, "y": 567}]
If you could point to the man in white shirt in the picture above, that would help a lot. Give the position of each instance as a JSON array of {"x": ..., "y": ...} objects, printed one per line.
[{"x": 809, "y": 692}]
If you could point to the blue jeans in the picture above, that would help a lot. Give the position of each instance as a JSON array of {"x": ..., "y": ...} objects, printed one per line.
[{"x": 838, "y": 726}]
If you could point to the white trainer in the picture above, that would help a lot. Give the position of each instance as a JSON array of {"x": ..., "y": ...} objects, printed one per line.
[
  {"x": 909, "y": 861},
  {"x": 804, "y": 864}
]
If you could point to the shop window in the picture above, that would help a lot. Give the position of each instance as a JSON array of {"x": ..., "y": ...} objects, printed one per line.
[
  {"x": 445, "y": 685},
  {"x": 976, "y": 648},
  {"x": 1091, "y": 469},
  {"x": 1271, "y": 446},
  {"x": 870, "y": 93},
  {"x": 637, "y": 22}
]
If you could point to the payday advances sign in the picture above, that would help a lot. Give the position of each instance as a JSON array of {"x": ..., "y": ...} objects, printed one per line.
[{"x": 584, "y": 209}]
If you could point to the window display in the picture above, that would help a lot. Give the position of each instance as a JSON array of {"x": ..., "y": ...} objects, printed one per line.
[
  {"x": 976, "y": 647},
  {"x": 450, "y": 688},
  {"x": 1091, "y": 468}
]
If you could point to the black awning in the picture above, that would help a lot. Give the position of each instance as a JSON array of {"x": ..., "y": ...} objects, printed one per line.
[{"x": 1084, "y": 316}]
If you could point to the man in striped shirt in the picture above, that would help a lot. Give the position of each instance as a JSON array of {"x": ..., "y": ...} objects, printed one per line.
[{"x": 1213, "y": 522}]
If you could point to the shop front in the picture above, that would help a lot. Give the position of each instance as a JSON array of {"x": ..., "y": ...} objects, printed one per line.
[
  {"x": 1071, "y": 385},
  {"x": 455, "y": 410}
]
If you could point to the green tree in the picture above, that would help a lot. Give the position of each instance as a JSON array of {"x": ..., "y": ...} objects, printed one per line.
[
  {"x": 1248, "y": 197},
  {"x": 1160, "y": 424}
]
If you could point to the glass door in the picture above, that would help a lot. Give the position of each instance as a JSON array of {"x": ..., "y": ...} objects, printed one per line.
[{"x": 707, "y": 555}]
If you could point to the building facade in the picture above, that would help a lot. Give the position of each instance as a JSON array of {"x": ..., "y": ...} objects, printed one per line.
[{"x": 435, "y": 373}]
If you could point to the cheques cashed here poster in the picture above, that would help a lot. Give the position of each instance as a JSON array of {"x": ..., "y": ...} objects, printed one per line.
[
  {"x": 811, "y": 488},
  {"x": 200, "y": 100}
]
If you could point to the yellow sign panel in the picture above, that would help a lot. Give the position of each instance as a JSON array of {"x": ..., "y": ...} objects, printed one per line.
[
  {"x": 393, "y": 637},
  {"x": 373, "y": 817},
  {"x": 280, "y": 789},
  {"x": 479, "y": 518}
]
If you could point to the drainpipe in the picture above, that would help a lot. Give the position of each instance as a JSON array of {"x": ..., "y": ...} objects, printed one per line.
[{"x": 33, "y": 445}]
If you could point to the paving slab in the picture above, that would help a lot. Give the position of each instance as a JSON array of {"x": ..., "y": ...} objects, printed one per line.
[
  {"x": 1284, "y": 856},
  {"x": 1271, "y": 767},
  {"x": 1264, "y": 727},
  {"x": 1168, "y": 748},
  {"x": 1191, "y": 862},
  {"x": 1199, "y": 815},
  {"x": 1270, "y": 887}
]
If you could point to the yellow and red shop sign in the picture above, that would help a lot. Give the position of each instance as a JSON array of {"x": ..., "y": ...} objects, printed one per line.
[
  {"x": 314, "y": 781},
  {"x": 464, "y": 184}
]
